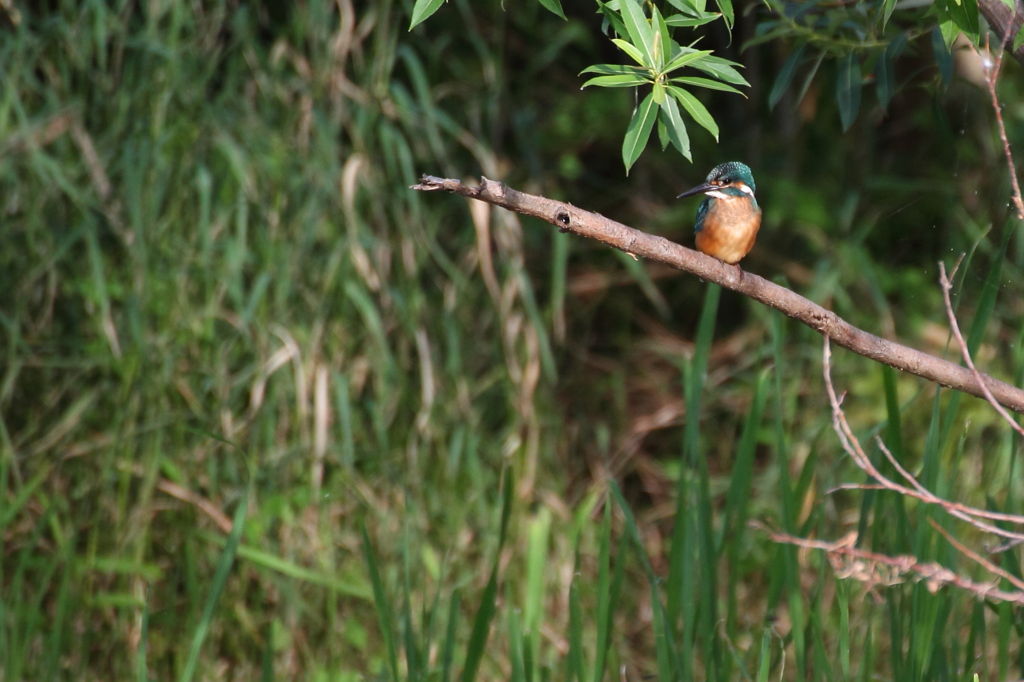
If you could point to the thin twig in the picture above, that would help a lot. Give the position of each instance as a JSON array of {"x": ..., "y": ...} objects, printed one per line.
[
  {"x": 928, "y": 495},
  {"x": 955, "y": 327},
  {"x": 977, "y": 558},
  {"x": 991, "y": 76},
  {"x": 853, "y": 447},
  {"x": 865, "y": 571}
]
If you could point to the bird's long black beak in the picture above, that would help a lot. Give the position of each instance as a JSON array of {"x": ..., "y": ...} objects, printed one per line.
[{"x": 699, "y": 189}]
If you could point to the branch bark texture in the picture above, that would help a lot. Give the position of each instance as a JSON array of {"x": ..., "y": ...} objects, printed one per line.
[
  {"x": 569, "y": 218},
  {"x": 999, "y": 18}
]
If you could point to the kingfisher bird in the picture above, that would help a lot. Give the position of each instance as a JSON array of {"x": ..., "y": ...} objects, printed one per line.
[{"x": 729, "y": 217}]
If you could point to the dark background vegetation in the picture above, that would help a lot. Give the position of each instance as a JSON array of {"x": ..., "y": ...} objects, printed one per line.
[{"x": 216, "y": 289}]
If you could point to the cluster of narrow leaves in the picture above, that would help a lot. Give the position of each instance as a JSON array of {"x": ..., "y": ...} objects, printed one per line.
[
  {"x": 859, "y": 37},
  {"x": 648, "y": 42},
  {"x": 422, "y": 10}
]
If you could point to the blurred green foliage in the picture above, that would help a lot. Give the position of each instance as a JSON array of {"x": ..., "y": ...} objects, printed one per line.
[{"x": 219, "y": 300}]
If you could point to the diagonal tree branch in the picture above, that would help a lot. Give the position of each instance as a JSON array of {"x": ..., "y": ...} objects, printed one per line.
[{"x": 569, "y": 218}]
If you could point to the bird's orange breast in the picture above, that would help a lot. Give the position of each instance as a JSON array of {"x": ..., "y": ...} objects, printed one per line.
[{"x": 729, "y": 229}]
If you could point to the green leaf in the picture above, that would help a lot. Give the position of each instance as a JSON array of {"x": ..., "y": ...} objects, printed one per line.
[
  {"x": 885, "y": 72},
  {"x": 658, "y": 92},
  {"x": 638, "y": 132},
  {"x": 785, "y": 76},
  {"x": 946, "y": 25},
  {"x": 890, "y": 5},
  {"x": 948, "y": 30},
  {"x": 632, "y": 50},
  {"x": 640, "y": 32},
  {"x": 677, "y": 20},
  {"x": 809, "y": 78},
  {"x": 554, "y": 6},
  {"x": 705, "y": 83},
  {"x": 848, "y": 89},
  {"x": 943, "y": 57},
  {"x": 689, "y": 6},
  {"x": 663, "y": 41},
  {"x": 674, "y": 126},
  {"x": 721, "y": 69},
  {"x": 615, "y": 69},
  {"x": 697, "y": 110},
  {"x": 965, "y": 15},
  {"x": 765, "y": 656},
  {"x": 767, "y": 32},
  {"x": 613, "y": 18},
  {"x": 727, "y": 12},
  {"x": 618, "y": 81},
  {"x": 684, "y": 59},
  {"x": 422, "y": 10}
]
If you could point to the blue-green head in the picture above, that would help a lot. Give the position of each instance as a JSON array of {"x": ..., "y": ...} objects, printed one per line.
[
  {"x": 732, "y": 180},
  {"x": 733, "y": 176}
]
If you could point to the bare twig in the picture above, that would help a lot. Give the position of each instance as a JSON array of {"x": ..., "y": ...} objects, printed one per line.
[
  {"x": 853, "y": 447},
  {"x": 568, "y": 218},
  {"x": 991, "y": 77},
  {"x": 977, "y": 558},
  {"x": 955, "y": 327},
  {"x": 865, "y": 567}
]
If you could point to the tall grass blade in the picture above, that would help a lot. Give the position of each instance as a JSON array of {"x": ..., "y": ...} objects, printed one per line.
[
  {"x": 868, "y": 657},
  {"x": 734, "y": 518},
  {"x": 515, "y": 647},
  {"x": 220, "y": 579},
  {"x": 786, "y": 573},
  {"x": 385, "y": 616},
  {"x": 267, "y": 672},
  {"x": 485, "y": 612},
  {"x": 668, "y": 661},
  {"x": 576, "y": 664},
  {"x": 843, "y": 599},
  {"x": 141, "y": 664},
  {"x": 764, "y": 659},
  {"x": 448, "y": 657}
]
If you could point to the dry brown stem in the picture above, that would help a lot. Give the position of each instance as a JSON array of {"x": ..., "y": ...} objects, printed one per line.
[{"x": 875, "y": 569}]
